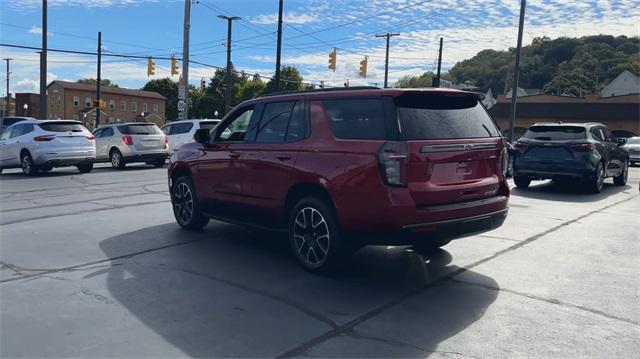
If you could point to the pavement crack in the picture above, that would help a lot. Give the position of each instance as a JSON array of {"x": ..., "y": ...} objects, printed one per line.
[
  {"x": 357, "y": 335},
  {"x": 262, "y": 293},
  {"x": 549, "y": 300}
]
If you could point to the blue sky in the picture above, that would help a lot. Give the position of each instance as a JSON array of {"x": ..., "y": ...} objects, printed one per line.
[{"x": 312, "y": 29}]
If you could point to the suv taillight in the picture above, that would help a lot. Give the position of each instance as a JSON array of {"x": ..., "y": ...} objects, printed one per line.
[
  {"x": 128, "y": 140},
  {"x": 44, "y": 138},
  {"x": 393, "y": 159},
  {"x": 166, "y": 139},
  {"x": 520, "y": 146},
  {"x": 582, "y": 147},
  {"x": 503, "y": 162}
]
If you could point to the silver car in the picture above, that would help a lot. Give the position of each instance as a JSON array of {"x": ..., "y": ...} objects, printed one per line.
[
  {"x": 633, "y": 146},
  {"x": 38, "y": 146},
  {"x": 123, "y": 143}
]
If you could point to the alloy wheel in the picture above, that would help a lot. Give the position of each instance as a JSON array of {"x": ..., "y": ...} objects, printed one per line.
[
  {"x": 183, "y": 203},
  {"x": 311, "y": 236},
  {"x": 600, "y": 177},
  {"x": 115, "y": 159},
  {"x": 26, "y": 164}
]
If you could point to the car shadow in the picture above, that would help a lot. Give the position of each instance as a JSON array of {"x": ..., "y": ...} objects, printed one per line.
[
  {"x": 232, "y": 291},
  {"x": 567, "y": 191}
]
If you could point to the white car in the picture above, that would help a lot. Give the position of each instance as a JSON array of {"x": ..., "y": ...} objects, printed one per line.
[
  {"x": 181, "y": 132},
  {"x": 37, "y": 146},
  {"x": 633, "y": 146}
]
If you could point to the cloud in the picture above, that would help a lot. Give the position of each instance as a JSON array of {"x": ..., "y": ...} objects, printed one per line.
[
  {"x": 37, "y": 4},
  {"x": 289, "y": 18},
  {"x": 38, "y": 31}
]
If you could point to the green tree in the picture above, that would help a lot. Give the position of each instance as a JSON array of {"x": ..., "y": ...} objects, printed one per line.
[
  {"x": 103, "y": 82},
  {"x": 169, "y": 89},
  {"x": 408, "y": 81},
  {"x": 290, "y": 80},
  {"x": 250, "y": 89}
]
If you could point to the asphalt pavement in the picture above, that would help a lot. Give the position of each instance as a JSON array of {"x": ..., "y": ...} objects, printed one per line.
[{"x": 94, "y": 265}]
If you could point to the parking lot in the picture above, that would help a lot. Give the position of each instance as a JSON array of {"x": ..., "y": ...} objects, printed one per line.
[{"x": 94, "y": 265}]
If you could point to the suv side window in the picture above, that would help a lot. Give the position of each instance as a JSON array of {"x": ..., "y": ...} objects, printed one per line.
[
  {"x": 274, "y": 122},
  {"x": 607, "y": 134},
  {"x": 5, "y": 134},
  {"x": 108, "y": 132},
  {"x": 19, "y": 130},
  {"x": 597, "y": 134},
  {"x": 180, "y": 128},
  {"x": 357, "y": 119},
  {"x": 236, "y": 128},
  {"x": 167, "y": 129}
]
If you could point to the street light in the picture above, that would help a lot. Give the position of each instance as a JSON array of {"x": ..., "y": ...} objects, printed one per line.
[
  {"x": 25, "y": 108},
  {"x": 142, "y": 116},
  {"x": 227, "y": 94}
]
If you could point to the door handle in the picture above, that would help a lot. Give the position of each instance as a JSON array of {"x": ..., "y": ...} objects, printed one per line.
[
  {"x": 283, "y": 157},
  {"x": 234, "y": 155}
]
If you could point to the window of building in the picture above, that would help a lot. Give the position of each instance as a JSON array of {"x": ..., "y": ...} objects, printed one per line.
[
  {"x": 112, "y": 104},
  {"x": 145, "y": 109},
  {"x": 155, "y": 108},
  {"x": 59, "y": 100},
  {"x": 134, "y": 106},
  {"x": 76, "y": 101},
  {"x": 123, "y": 105},
  {"x": 87, "y": 102}
]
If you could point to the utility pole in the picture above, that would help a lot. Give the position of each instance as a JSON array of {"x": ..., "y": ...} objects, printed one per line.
[
  {"x": 279, "y": 47},
  {"x": 7, "y": 107},
  {"x": 386, "y": 58},
  {"x": 227, "y": 93},
  {"x": 516, "y": 72},
  {"x": 183, "y": 85},
  {"x": 437, "y": 84},
  {"x": 96, "y": 121},
  {"x": 43, "y": 64}
]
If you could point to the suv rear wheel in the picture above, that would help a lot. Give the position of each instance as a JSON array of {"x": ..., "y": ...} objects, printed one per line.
[
  {"x": 522, "y": 181},
  {"x": 595, "y": 184},
  {"x": 186, "y": 208},
  {"x": 28, "y": 167},
  {"x": 621, "y": 179},
  {"x": 315, "y": 237},
  {"x": 85, "y": 167},
  {"x": 117, "y": 161}
]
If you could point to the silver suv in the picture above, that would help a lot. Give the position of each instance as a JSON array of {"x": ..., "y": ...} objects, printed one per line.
[
  {"x": 38, "y": 146},
  {"x": 123, "y": 143}
]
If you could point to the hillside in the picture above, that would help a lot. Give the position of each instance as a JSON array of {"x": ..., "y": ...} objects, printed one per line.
[{"x": 565, "y": 65}]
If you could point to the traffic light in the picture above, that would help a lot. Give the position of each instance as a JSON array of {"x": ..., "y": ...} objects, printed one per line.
[
  {"x": 363, "y": 67},
  {"x": 151, "y": 67},
  {"x": 203, "y": 85},
  {"x": 174, "y": 66},
  {"x": 332, "y": 60}
]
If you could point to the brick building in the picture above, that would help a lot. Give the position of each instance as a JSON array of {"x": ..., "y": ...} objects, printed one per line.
[
  {"x": 620, "y": 113},
  {"x": 32, "y": 100},
  {"x": 70, "y": 100}
]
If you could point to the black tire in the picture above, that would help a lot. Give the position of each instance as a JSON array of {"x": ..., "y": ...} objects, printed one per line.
[
  {"x": 26, "y": 162},
  {"x": 596, "y": 182},
  {"x": 429, "y": 246},
  {"x": 186, "y": 209},
  {"x": 85, "y": 167},
  {"x": 522, "y": 181},
  {"x": 158, "y": 163},
  {"x": 319, "y": 248},
  {"x": 117, "y": 161},
  {"x": 621, "y": 179}
]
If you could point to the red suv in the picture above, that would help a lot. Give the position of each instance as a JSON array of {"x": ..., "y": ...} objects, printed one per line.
[{"x": 338, "y": 169}]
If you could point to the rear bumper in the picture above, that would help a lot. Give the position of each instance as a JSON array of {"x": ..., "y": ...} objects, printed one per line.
[
  {"x": 548, "y": 170},
  {"x": 66, "y": 158},
  {"x": 146, "y": 157},
  {"x": 634, "y": 157}
]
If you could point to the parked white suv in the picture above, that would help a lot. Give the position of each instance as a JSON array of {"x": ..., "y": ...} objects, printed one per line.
[
  {"x": 122, "y": 143},
  {"x": 181, "y": 132},
  {"x": 37, "y": 146}
]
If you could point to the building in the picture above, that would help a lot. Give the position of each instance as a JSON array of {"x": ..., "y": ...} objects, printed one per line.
[
  {"x": 28, "y": 104},
  {"x": 71, "y": 100},
  {"x": 620, "y": 113},
  {"x": 7, "y": 109},
  {"x": 626, "y": 83}
]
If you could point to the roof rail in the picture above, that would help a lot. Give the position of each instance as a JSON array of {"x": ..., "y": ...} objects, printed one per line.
[{"x": 333, "y": 89}]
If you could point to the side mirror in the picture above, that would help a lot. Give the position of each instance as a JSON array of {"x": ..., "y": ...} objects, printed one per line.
[
  {"x": 202, "y": 136},
  {"x": 622, "y": 141}
]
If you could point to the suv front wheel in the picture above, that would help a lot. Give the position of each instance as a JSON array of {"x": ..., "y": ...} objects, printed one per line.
[
  {"x": 315, "y": 237},
  {"x": 186, "y": 208}
]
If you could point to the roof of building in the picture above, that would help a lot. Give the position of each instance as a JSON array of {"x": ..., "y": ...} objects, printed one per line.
[
  {"x": 627, "y": 83},
  {"x": 108, "y": 89}
]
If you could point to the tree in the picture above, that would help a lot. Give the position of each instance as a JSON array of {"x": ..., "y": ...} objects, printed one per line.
[
  {"x": 408, "y": 81},
  {"x": 290, "y": 80},
  {"x": 250, "y": 89},
  {"x": 103, "y": 82},
  {"x": 218, "y": 84},
  {"x": 169, "y": 89}
]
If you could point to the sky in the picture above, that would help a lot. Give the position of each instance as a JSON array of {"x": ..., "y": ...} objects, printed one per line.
[{"x": 311, "y": 30}]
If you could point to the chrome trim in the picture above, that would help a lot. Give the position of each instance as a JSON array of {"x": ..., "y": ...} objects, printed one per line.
[{"x": 458, "y": 147}]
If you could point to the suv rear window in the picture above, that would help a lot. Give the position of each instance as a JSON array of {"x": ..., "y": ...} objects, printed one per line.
[
  {"x": 556, "y": 133},
  {"x": 357, "y": 119},
  {"x": 436, "y": 116},
  {"x": 140, "y": 129},
  {"x": 61, "y": 126}
]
